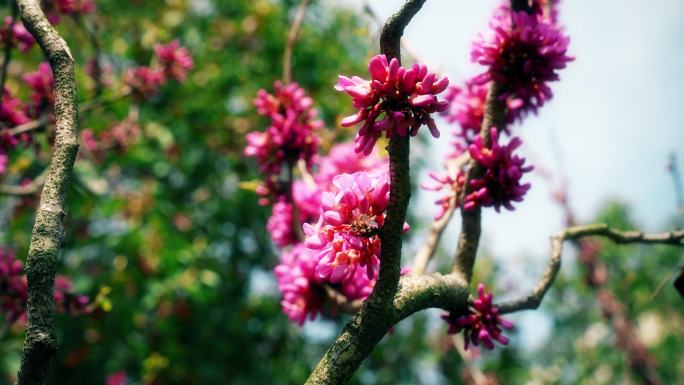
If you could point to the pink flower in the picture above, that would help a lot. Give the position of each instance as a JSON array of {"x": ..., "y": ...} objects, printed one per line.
[
  {"x": 292, "y": 133},
  {"x": 74, "y": 6},
  {"x": 395, "y": 101},
  {"x": 66, "y": 301},
  {"x": 454, "y": 187},
  {"x": 281, "y": 224},
  {"x": 117, "y": 378},
  {"x": 88, "y": 139},
  {"x": 482, "y": 323},
  {"x": 144, "y": 81},
  {"x": 14, "y": 293},
  {"x": 12, "y": 111},
  {"x": 523, "y": 53},
  {"x": 500, "y": 183},
  {"x": 342, "y": 159},
  {"x": 43, "y": 85},
  {"x": 346, "y": 233},
  {"x": 299, "y": 284},
  {"x": 18, "y": 37},
  {"x": 175, "y": 60},
  {"x": 4, "y": 161}
]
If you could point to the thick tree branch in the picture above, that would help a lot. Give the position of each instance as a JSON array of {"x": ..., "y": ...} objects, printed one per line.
[
  {"x": 469, "y": 239},
  {"x": 377, "y": 315},
  {"x": 48, "y": 233},
  {"x": 291, "y": 39},
  {"x": 533, "y": 300}
]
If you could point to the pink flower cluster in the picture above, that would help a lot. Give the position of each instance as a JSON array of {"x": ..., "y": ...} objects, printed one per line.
[
  {"x": 482, "y": 324},
  {"x": 175, "y": 60},
  {"x": 291, "y": 135},
  {"x": 522, "y": 52},
  {"x": 43, "y": 85},
  {"x": 396, "y": 101},
  {"x": 499, "y": 185},
  {"x": 117, "y": 378},
  {"x": 302, "y": 285},
  {"x": 14, "y": 291},
  {"x": 18, "y": 36},
  {"x": 11, "y": 115},
  {"x": 174, "y": 63},
  {"x": 301, "y": 288},
  {"x": 346, "y": 233},
  {"x": 74, "y": 6}
]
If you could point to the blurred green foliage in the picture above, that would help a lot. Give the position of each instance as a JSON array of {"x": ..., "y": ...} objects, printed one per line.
[{"x": 176, "y": 252}]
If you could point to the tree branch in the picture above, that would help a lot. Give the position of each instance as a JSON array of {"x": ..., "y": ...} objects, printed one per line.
[
  {"x": 48, "y": 232},
  {"x": 377, "y": 315},
  {"x": 533, "y": 300},
  {"x": 27, "y": 189},
  {"x": 291, "y": 39},
  {"x": 437, "y": 227}
]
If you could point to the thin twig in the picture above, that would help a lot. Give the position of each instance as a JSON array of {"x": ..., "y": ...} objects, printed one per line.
[
  {"x": 341, "y": 301},
  {"x": 437, "y": 227},
  {"x": 673, "y": 168},
  {"x": 28, "y": 189},
  {"x": 533, "y": 300},
  {"x": 47, "y": 238},
  {"x": 291, "y": 39}
]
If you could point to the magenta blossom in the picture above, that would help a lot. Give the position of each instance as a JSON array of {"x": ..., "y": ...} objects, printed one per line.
[
  {"x": 482, "y": 323},
  {"x": 175, "y": 60},
  {"x": 453, "y": 187},
  {"x": 12, "y": 110},
  {"x": 144, "y": 81},
  {"x": 281, "y": 225},
  {"x": 342, "y": 159},
  {"x": 300, "y": 286},
  {"x": 14, "y": 289},
  {"x": 523, "y": 53},
  {"x": 395, "y": 101},
  {"x": 292, "y": 133},
  {"x": 74, "y": 6},
  {"x": 346, "y": 233},
  {"x": 4, "y": 161},
  {"x": 43, "y": 85},
  {"x": 500, "y": 183},
  {"x": 19, "y": 36},
  {"x": 117, "y": 378},
  {"x": 66, "y": 300}
]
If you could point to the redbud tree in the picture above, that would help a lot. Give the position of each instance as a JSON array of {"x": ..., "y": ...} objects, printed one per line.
[{"x": 338, "y": 208}]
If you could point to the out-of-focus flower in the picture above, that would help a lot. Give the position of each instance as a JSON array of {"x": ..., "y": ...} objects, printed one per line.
[
  {"x": 342, "y": 159},
  {"x": 43, "y": 85},
  {"x": 346, "y": 233},
  {"x": 144, "y": 81},
  {"x": 281, "y": 224},
  {"x": 74, "y": 6},
  {"x": 18, "y": 37},
  {"x": 299, "y": 284},
  {"x": 453, "y": 187},
  {"x": 174, "y": 59},
  {"x": 482, "y": 323},
  {"x": 291, "y": 135},
  {"x": 396, "y": 101},
  {"x": 13, "y": 287},
  {"x": 523, "y": 53},
  {"x": 66, "y": 301},
  {"x": 12, "y": 111},
  {"x": 117, "y": 378}
]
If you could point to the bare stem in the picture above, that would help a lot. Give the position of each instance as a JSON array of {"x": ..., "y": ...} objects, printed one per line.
[
  {"x": 48, "y": 230},
  {"x": 533, "y": 300},
  {"x": 26, "y": 189},
  {"x": 291, "y": 39}
]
